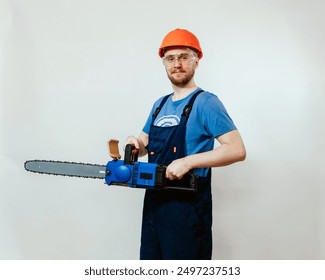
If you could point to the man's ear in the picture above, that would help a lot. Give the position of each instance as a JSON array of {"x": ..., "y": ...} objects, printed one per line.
[{"x": 197, "y": 62}]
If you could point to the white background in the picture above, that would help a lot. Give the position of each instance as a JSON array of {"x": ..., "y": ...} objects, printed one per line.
[{"x": 76, "y": 73}]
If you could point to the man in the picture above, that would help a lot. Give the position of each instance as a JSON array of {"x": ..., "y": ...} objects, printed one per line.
[{"x": 180, "y": 133}]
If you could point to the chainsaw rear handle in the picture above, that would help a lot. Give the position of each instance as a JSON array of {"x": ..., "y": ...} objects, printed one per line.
[{"x": 188, "y": 182}]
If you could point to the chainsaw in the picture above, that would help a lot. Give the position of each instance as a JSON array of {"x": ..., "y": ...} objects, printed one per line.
[{"x": 128, "y": 172}]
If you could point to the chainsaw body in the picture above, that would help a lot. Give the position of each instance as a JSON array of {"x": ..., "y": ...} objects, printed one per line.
[{"x": 132, "y": 173}]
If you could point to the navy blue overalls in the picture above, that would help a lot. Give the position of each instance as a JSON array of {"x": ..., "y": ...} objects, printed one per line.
[{"x": 176, "y": 225}]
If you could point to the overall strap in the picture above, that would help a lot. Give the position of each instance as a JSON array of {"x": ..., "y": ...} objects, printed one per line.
[
  {"x": 163, "y": 101},
  {"x": 188, "y": 108},
  {"x": 179, "y": 139}
]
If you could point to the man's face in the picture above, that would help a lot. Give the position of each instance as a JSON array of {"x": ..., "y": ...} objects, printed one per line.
[{"x": 180, "y": 64}]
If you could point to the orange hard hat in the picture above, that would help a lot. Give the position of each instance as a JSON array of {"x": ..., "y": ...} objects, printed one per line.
[{"x": 180, "y": 38}]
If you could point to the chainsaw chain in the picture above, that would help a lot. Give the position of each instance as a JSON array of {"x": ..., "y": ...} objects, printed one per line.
[{"x": 62, "y": 174}]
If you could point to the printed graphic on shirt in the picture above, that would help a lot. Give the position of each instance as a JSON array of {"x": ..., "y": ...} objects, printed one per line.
[{"x": 170, "y": 120}]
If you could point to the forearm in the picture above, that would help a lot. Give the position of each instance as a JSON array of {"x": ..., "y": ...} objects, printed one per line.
[
  {"x": 230, "y": 151},
  {"x": 221, "y": 156}
]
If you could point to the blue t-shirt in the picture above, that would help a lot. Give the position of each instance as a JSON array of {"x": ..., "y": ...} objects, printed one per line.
[{"x": 208, "y": 119}]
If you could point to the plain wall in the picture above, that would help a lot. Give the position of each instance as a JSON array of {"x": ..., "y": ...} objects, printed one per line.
[{"x": 76, "y": 73}]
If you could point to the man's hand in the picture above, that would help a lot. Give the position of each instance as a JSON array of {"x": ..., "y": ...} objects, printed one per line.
[
  {"x": 132, "y": 140},
  {"x": 177, "y": 169},
  {"x": 139, "y": 143}
]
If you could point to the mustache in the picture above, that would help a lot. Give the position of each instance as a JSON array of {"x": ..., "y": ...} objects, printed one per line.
[{"x": 177, "y": 71}]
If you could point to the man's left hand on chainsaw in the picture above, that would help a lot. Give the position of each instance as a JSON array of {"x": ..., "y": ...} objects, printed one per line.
[{"x": 139, "y": 143}]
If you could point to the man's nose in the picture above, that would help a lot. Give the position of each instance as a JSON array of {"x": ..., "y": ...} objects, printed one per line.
[{"x": 177, "y": 63}]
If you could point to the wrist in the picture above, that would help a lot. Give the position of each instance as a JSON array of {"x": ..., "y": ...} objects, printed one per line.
[{"x": 189, "y": 163}]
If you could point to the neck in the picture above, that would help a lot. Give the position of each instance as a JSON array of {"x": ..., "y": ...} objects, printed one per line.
[{"x": 182, "y": 92}]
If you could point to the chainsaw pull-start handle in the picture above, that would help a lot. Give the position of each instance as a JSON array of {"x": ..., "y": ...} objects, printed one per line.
[{"x": 131, "y": 154}]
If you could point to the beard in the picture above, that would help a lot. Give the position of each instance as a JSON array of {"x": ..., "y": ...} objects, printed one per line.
[{"x": 180, "y": 78}]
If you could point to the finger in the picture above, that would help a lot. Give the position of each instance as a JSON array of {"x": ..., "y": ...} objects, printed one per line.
[
  {"x": 133, "y": 141},
  {"x": 169, "y": 175}
]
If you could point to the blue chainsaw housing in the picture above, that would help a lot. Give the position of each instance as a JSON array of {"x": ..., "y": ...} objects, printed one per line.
[
  {"x": 132, "y": 173},
  {"x": 136, "y": 175}
]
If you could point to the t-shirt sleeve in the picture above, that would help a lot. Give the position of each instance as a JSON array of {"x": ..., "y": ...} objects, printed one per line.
[{"x": 216, "y": 118}]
